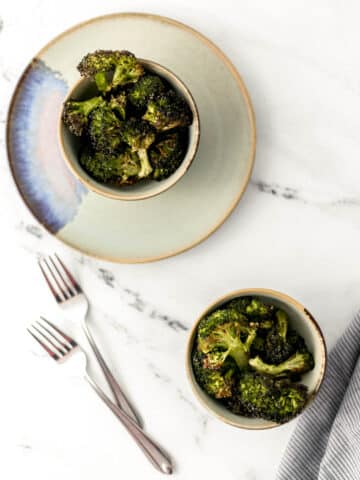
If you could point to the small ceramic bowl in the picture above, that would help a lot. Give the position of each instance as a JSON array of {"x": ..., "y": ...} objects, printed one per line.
[
  {"x": 299, "y": 318},
  {"x": 70, "y": 144}
]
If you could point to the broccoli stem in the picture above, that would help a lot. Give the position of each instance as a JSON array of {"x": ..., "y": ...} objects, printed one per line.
[
  {"x": 240, "y": 356},
  {"x": 89, "y": 105},
  {"x": 300, "y": 362},
  {"x": 240, "y": 352},
  {"x": 145, "y": 168},
  {"x": 282, "y": 323},
  {"x": 101, "y": 81},
  {"x": 250, "y": 339}
]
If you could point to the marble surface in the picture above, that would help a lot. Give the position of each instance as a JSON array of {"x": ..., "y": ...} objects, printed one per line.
[{"x": 297, "y": 229}]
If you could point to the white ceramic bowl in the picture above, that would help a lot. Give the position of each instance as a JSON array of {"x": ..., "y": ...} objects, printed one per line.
[
  {"x": 299, "y": 318},
  {"x": 70, "y": 144}
]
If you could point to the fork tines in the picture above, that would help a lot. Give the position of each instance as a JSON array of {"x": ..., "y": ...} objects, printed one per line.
[
  {"x": 60, "y": 281},
  {"x": 54, "y": 341}
]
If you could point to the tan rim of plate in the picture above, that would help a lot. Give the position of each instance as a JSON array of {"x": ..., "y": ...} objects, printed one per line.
[
  {"x": 242, "y": 88},
  {"x": 253, "y": 291}
]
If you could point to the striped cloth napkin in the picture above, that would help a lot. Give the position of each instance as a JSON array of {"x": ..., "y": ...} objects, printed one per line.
[{"x": 326, "y": 441}]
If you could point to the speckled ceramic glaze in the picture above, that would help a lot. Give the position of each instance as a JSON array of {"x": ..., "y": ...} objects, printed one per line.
[
  {"x": 300, "y": 319},
  {"x": 154, "y": 228}
]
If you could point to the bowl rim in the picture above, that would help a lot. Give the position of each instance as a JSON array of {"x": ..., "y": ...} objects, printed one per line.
[
  {"x": 94, "y": 185},
  {"x": 254, "y": 291}
]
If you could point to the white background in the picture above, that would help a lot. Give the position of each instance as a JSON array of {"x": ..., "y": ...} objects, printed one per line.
[{"x": 299, "y": 61}]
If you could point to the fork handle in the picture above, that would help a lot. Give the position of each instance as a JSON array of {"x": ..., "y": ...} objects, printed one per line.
[
  {"x": 119, "y": 396},
  {"x": 152, "y": 451}
]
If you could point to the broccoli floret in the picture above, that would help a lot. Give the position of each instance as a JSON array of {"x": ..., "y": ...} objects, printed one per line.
[
  {"x": 148, "y": 87},
  {"x": 104, "y": 130},
  {"x": 300, "y": 362},
  {"x": 257, "y": 347},
  {"x": 167, "y": 154},
  {"x": 217, "y": 384},
  {"x": 123, "y": 65},
  {"x": 258, "y": 395},
  {"x": 168, "y": 111},
  {"x": 218, "y": 317},
  {"x": 254, "y": 309},
  {"x": 118, "y": 104},
  {"x": 281, "y": 341},
  {"x": 257, "y": 309},
  {"x": 76, "y": 113},
  {"x": 240, "y": 304},
  {"x": 232, "y": 338},
  {"x": 139, "y": 135},
  {"x": 119, "y": 168},
  {"x": 215, "y": 360}
]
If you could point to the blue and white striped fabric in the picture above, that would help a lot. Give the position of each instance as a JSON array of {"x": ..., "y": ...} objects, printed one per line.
[{"x": 326, "y": 441}]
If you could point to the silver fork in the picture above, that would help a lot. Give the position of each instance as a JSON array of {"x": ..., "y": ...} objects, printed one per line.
[
  {"x": 70, "y": 297},
  {"x": 61, "y": 348}
]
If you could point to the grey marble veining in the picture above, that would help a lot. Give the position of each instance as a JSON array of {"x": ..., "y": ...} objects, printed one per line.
[{"x": 135, "y": 300}]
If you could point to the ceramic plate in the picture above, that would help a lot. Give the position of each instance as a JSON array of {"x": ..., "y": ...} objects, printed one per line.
[{"x": 150, "y": 229}]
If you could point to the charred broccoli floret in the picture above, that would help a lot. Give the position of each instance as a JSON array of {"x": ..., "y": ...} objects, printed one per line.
[
  {"x": 218, "y": 317},
  {"x": 104, "y": 130},
  {"x": 118, "y": 104},
  {"x": 76, "y": 114},
  {"x": 281, "y": 341},
  {"x": 148, "y": 87},
  {"x": 139, "y": 135},
  {"x": 227, "y": 334},
  {"x": 258, "y": 395},
  {"x": 258, "y": 346},
  {"x": 300, "y": 362},
  {"x": 257, "y": 309},
  {"x": 239, "y": 304},
  {"x": 119, "y": 168},
  {"x": 166, "y": 155},
  {"x": 257, "y": 312},
  {"x": 217, "y": 384},
  {"x": 168, "y": 111},
  {"x": 111, "y": 68}
]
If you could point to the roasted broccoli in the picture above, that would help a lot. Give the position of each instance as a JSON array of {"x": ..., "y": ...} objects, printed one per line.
[
  {"x": 167, "y": 154},
  {"x": 237, "y": 338},
  {"x": 139, "y": 135},
  {"x": 76, "y": 114},
  {"x": 168, "y": 111},
  {"x": 217, "y": 317},
  {"x": 117, "y": 168},
  {"x": 256, "y": 309},
  {"x": 118, "y": 104},
  {"x": 281, "y": 341},
  {"x": 148, "y": 87},
  {"x": 239, "y": 304},
  {"x": 218, "y": 384},
  {"x": 104, "y": 130},
  {"x": 258, "y": 395},
  {"x": 116, "y": 141},
  {"x": 300, "y": 362},
  {"x": 258, "y": 346},
  {"x": 227, "y": 334},
  {"x": 111, "y": 68}
]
